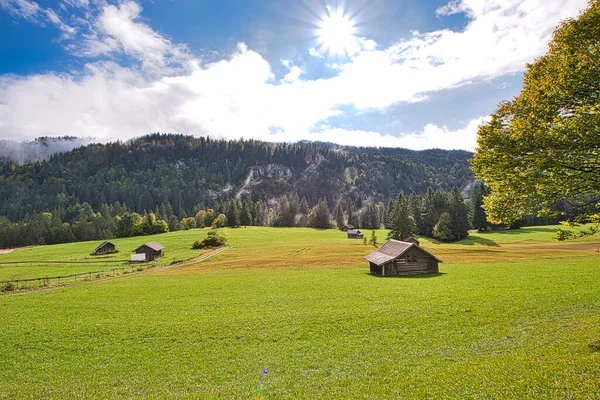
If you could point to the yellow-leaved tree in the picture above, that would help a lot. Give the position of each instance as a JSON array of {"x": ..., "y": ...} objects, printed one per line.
[{"x": 544, "y": 145}]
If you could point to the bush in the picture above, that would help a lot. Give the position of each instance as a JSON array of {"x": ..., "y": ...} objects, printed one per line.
[
  {"x": 7, "y": 287},
  {"x": 213, "y": 239}
]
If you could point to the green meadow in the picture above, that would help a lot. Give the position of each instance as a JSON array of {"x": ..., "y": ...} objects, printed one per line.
[
  {"x": 510, "y": 315},
  {"x": 73, "y": 258}
]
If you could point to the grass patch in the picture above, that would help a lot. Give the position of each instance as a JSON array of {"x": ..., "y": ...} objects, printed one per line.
[
  {"x": 73, "y": 258},
  {"x": 299, "y": 302}
]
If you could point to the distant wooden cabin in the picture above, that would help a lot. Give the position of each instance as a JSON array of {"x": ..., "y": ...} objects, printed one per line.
[
  {"x": 105, "y": 248},
  {"x": 347, "y": 228},
  {"x": 355, "y": 234},
  {"x": 153, "y": 251},
  {"x": 397, "y": 257}
]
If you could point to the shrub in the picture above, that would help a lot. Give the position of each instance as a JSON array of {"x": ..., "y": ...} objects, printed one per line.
[
  {"x": 7, "y": 287},
  {"x": 213, "y": 239}
]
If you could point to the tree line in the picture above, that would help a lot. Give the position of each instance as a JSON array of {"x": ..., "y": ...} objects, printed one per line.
[{"x": 427, "y": 215}]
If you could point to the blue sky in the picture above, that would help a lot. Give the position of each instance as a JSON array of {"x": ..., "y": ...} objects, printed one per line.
[{"x": 405, "y": 73}]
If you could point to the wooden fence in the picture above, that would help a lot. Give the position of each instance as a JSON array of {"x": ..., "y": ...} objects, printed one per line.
[
  {"x": 33, "y": 283},
  {"x": 14, "y": 285}
]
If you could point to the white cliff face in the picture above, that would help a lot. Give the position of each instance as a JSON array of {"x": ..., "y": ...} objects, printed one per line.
[{"x": 259, "y": 174}]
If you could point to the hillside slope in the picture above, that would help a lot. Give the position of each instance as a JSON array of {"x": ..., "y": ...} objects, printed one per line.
[{"x": 184, "y": 172}]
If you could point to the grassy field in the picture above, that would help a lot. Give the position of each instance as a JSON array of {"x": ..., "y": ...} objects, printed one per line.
[
  {"x": 73, "y": 258},
  {"x": 511, "y": 315}
]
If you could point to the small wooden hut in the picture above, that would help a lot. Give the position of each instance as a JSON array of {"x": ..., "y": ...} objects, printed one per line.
[
  {"x": 355, "y": 234},
  {"x": 152, "y": 250},
  {"x": 397, "y": 257},
  {"x": 347, "y": 228},
  {"x": 105, "y": 248}
]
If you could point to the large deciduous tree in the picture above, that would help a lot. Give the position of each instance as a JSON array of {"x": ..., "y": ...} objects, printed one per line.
[{"x": 544, "y": 145}]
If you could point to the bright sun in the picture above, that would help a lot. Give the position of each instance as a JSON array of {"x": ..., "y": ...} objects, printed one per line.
[{"x": 336, "y": 32}]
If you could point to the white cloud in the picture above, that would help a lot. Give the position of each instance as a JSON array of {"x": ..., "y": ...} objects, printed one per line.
[
  {"x": 313, "y": 52},
  {"x": 31, "y": 11},
  {"x": 68, "y": 31},
  {"x": 240, "y": 96},
  {"x": 431, "y": 136},
  {"x": 22, "y": 9},
  {"x": 454, "y": 7},
  {"x": 116, "y": 30},
  {"x": 294, "y": 74}
]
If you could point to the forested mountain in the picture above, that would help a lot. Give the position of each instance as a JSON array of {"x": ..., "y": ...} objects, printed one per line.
[
  {"x": 105, "y": 190},
  {"x": 186, "y": 172}
]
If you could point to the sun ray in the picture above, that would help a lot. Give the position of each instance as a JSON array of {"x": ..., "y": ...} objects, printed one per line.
[{"x": 336, "y": 33}]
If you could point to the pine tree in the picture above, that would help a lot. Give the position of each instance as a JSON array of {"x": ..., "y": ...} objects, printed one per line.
[
  {"x": 304, "y": 208},
  {"x": 459, "y": 215},
  {"x": 401, "y": 222},
  {"x": 370, "y": 218},
  {"x": 373, "y": 239},
  {"x": 320, "y": 215},
  {"x": 428, "y": 218},
  {"x": 415, "y": 201},
  {"x": 245, "y": 214},
  {"x": 442, "y": 229},
  {"x": 339, "y": 217},
  {"x": 352, "y": 214},
  {"x": 479, "y": 217},
  {"x": 286, "y": 213},
  {"x": 388, "y": 212},
  {"x": 232, "y": 214},
  {"x": 259, "y": 213}
]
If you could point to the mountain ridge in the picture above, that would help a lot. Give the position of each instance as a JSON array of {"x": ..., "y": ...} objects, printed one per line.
[{"x": 186, "y": 172}]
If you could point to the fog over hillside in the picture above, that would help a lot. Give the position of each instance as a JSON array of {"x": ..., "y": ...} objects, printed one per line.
[{"x": 39, "y": 149}]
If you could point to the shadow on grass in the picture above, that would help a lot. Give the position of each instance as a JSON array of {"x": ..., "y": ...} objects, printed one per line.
[
  {"x": 595, "y": 347},
  {"x": 524, "y": 229},
  {"x": 472, "y": 240},
  {"x": 420, "y": 276}
]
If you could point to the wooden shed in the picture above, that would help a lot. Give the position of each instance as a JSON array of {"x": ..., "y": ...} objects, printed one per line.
[
  {"x": 105, "y": 248},
  {"x": 152, "y": 250},
  {"x": 396, "y": 257},
  {"x": 355, "y": 234},
  {"x": 348, "y": 227}
]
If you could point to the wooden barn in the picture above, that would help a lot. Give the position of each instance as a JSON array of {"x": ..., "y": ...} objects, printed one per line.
[
  {"x": 152, "y": 250},
  {"x": 347, "y": 228},
  {"x": 105, "y": 248},
  {"x": 396, "y": 257},
  {"x": 355, "y": 234}
]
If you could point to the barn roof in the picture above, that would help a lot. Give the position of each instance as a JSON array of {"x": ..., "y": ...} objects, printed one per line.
[
  {"x": 349, "y": 227},
  {"x": 153, "y": 245},
  {"x": 410, "y": 239},
  {"x": 354, "y": 231},
  {"x": 103, "y": 244},
  {"x": 391, "y": 250}
]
